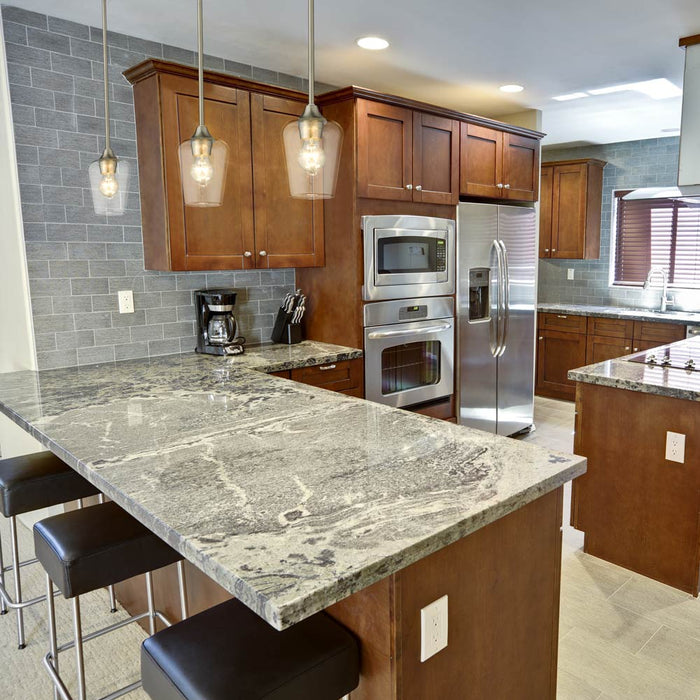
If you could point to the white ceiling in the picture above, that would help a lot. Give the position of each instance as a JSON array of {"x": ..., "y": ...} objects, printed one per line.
[{"x": 451, "y": 52}]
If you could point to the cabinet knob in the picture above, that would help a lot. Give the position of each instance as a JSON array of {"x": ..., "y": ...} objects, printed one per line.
[
  {"x": 554, "y": 250},
  {"x": 262, "y": 253},
  {"x": 419, "y": 187},
  {"x": 541, "y": 337},
  {"x": 409, "y": 187},
  {"x": 500, "y": 185},
  {"x": 247, "y": 254},
  {"x": 636, "y": 349},
  {"x": 546, "y": 250},
  {"x": 627, "y": 347},
  {"x": 507, "y": 186}
]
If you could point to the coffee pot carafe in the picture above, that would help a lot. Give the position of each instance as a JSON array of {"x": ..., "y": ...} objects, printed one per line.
[{"x": 216, "y": 323}]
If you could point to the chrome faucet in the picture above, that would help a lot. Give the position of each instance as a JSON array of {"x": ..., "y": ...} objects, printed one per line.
[{"x": 665, "y": 297}]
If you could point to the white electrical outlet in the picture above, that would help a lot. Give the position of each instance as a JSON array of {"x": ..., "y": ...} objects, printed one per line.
[
  {"x": 570, "y": 273},
  {"x": 675, "y": 447},
  {"x": 433, "y": 628},
  {"x": 126, "y": 302}
]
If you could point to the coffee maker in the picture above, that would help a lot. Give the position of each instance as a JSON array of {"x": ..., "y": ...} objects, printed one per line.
[{"x": 216, "y": 324}]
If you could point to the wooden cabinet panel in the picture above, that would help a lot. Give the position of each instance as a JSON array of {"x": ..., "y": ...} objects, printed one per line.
[
  {"x": 521, "y": 167},
  {"x": 435, "y": 159},
  {"x": 284, "y": 374},
  {"x": 211, "y": 238},
  {"x": 611, "y": 327},
  {"x": 546, "y": 183},
  {"x": 481, "y": 161},
  {"x": 289, "y": 231},
  {"x": 345, "y": 376},
  {"x": 643, "y": 345},
  {"x": 568, "y": 211},
  {"x": 557, "y": 353},
  {"x": 562, "y": 322},
  {"x": 601, "y": 348},
  {"x": 659, "y": 333},
  {"x": 384, "y": 151}
]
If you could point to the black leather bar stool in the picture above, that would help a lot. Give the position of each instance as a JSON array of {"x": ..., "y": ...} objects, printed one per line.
[
  {"x": 229, "y": 653},
  {"x": 88, "y": 549},
  {"x": 28, "y": 483}
]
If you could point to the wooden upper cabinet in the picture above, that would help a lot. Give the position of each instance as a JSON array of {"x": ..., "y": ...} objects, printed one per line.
[
  {"x": 288, "y": 231},
  {"x": 406, "y": 155},
  {"x": 384, "y": 151},
  {"x": 207, "y": 238},
  {"x": 497, "y": 164},
  {"x": 435, "y": 159},
  {"x": 570, "y": 209}
]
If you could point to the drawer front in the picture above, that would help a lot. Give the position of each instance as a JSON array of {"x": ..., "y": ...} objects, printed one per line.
[
  {"x": 336, "y": 376},
  {"x": 600, "y": 348},
  {"x": 562, "y": 322},
  {"x": 659, "y": 333},
  {"x": 610, "y": 327}
]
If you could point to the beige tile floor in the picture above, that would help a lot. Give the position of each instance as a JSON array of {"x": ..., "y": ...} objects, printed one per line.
[{"x": 621, "y": 635}]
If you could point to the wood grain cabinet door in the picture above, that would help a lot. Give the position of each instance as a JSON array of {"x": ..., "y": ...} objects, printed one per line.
[
  {"x": 210, "y": 238},
  {"x": 481, "y": 161},
  {"x": 384, "y": 151},
  {"x": 521, "y": 165},
  {"x": 546, "y": 181},
  {"x": 569, "y": 211},
  {"x": 557, "y": 353},
  {"x": 435, "y": 159},
  {"x": 601, "y": 348},
  {"x": 288, "y": 231}
]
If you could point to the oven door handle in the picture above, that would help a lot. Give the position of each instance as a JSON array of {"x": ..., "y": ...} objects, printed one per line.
[{"x": 375, "y": 335}]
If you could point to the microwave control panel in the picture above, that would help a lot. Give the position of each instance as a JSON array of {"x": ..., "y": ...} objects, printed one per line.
[{"x": 441, "y": 255}]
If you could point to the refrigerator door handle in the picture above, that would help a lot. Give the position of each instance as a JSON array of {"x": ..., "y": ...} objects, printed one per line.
[
  {"x": 506, "y": 297},
  {"x": 496, "y": 317}
]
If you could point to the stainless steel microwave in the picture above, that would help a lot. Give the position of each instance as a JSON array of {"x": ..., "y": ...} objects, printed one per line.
[{"x": 408, "y": 256}]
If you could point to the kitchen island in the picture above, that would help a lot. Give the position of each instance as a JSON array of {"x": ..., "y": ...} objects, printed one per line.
[
  {"x": 295, "y": 500},
  {"x": 637, "y": 508}
]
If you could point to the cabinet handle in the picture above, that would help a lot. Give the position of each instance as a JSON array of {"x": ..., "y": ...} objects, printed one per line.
[
  {"x": 541, "y": 337},
  {"x": 507, "y": 186},
  {"x": 500, "y": 185},
  {"x": 247, "y": 254},
  {"x": 262, "y": 253},
  {"x": 323, "y": 369},
  {"x": 409, "y": 187},
  {"x": 419, "y": 187},
  {"x": 562, "y": 316}
]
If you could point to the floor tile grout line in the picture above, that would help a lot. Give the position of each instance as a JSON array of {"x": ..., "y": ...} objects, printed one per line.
[{"x": 639, "y": 651}]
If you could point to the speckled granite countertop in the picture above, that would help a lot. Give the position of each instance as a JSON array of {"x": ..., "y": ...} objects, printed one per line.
[
  {"x": 621, "y": 312},
  {"x": 289, "y": 496},
  {"x": 649, "y": 379}
]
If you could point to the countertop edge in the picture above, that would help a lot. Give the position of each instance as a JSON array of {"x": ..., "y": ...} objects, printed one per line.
[{"x": 621, "y": 312}]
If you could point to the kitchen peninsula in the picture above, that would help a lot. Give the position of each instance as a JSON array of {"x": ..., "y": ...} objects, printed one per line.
[
  {"x": 295, "y": 499},
  {"x": 637, "y": 504}
]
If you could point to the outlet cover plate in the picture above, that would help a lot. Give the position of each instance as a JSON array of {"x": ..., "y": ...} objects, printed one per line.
[
  {"x": 126, "y": 301},
  {"x": 433, "y": 628},
  {"x": 570, "y": 273},
  {"x": 675, "y": 447}
]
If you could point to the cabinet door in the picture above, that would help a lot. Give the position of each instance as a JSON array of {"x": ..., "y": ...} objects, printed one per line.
[
  {"x": 568, "y": 211},
  {"x": 435, "y": 159},
  {"x": 384, "y": 151},
  {"x": 546, "y": 181},
  {"x": 659, "y": 333},
  {"x": 481, "y": 161},
  {"x": 601, "y": 348},
  {"x": 288, "y": 231},
  {"x": 557, "y": 353},
  {"x": 521, "y": 166},
  {"x": 211, "y": 238}
]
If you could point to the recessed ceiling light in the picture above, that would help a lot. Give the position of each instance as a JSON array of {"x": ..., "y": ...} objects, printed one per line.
[
  {"x": 658, "y": 89},
  {"x": 570, "y": 96},
  {"x": 511, "y": 88},
  {"x": 373, "y": 43}
]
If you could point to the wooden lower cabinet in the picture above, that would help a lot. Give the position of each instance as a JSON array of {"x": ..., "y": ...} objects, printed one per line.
[
  {"x": 557, "y": 353},
  {"x": 600, "y": 348},
  {"x": 343, "y": 376}
]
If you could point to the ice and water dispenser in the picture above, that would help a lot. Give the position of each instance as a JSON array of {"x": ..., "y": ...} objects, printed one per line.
[{"x": 479, "y": 307}]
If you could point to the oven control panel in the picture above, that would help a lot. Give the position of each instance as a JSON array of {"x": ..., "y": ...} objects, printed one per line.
[{"x": 413, "y": 313}]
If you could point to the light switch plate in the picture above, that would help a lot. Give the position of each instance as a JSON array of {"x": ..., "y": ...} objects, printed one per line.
[
  {"x": 433, "y": 628},
  {"x": 675, "y": 447},
  {"x": 126, "y": 301}
]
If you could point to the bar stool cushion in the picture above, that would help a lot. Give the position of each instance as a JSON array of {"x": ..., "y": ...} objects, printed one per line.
[
  {"x": 94, "y": 547},
  {"x": 229, "y": 653},
  {"x": 38, "y": 481}
]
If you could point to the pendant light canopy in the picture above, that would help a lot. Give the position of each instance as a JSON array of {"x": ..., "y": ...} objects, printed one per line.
[
  {"x": 203, "y": 159},
  {"x": 312, "y": 144},
  {"x": 109, "y": 177}
]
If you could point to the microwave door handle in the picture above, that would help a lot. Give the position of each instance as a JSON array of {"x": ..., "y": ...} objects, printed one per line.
[
  {"x": 506, "y": 297},
  {"x": 375, "y": 335}
]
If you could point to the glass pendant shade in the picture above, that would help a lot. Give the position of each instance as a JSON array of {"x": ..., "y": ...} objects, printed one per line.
[
  {"x": 312, "y": 162},
  {"x": 109, "y": 184},
  {"x": 203, "y": 165}
]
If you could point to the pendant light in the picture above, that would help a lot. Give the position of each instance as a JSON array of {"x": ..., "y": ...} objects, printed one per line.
[
  {"x": 203, "y": 159},
  {"x": 312, "y": 144},
  {"x": 109, "y": 177}
]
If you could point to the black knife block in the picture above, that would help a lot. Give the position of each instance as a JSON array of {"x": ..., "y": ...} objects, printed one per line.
[{"x": 284, "y": 331}]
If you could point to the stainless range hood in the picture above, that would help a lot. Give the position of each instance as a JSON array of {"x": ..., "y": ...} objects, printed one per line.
[{"x": 688, "y": 187}]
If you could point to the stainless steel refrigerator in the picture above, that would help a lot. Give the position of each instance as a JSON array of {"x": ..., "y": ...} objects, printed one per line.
[{"x": 496, "y": 291}]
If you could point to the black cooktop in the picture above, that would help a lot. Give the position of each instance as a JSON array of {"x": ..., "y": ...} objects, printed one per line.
[{"x": 686, "y": 357}]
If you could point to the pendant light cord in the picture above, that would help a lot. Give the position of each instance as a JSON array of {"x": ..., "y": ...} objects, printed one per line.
[
  {"x": 106, "y": 81},
  {"x": 311, "y": 52},
  {"x": 200, "y": 64}
]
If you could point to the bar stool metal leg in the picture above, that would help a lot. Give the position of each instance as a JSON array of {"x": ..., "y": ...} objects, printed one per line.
[
  {"x": 18, "y": 582},
  {"x": 3, "y": 607},
  {"x": 151, "y": 604},
  {"x": 182, "y": 585},
  {"x": 112, "y": 597},
  {"x": 79, "y": 660},
  {"x": 53, "y": 643}
]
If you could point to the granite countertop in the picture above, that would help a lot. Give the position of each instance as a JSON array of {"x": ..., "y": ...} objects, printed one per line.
[
  {"x": 649, "y": 379},
  {"x": 621, "y": 312},
  {"x": 289, "y": 496}
]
